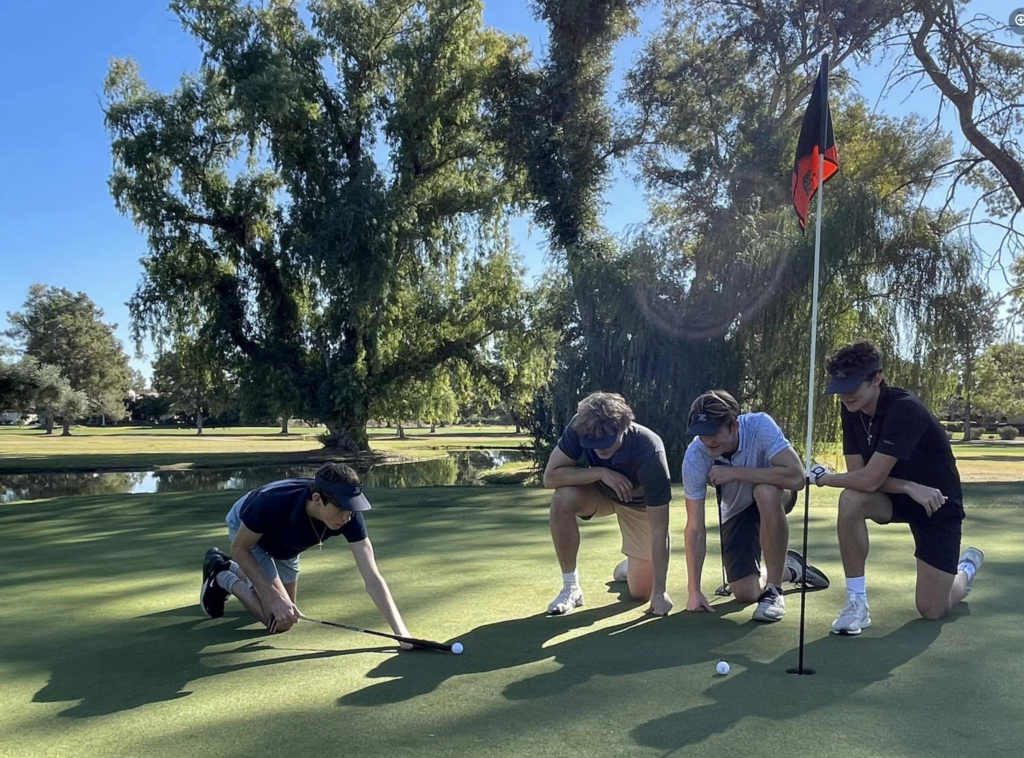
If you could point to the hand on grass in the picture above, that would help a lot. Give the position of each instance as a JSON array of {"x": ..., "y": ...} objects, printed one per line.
[
  {"x": 930, "y": 498},
  {"x": 661, "y": 604},
  {"x": 619, "y": 483},
  {"x": 697, "y": 602}
]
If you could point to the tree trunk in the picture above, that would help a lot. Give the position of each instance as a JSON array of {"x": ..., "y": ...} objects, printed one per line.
[
  {"x": 419, "y": 423},
  {"x": 519, "y": 428},
  {"x": 967, "y": 421},
  {"x": 401, "y": 431},
  {"x": 967, "y": 399},
  {"x": 348, "y": 436},
  {"x": 103, "y": 420},
  {"x": 49, "y": 423},
  {"x": 67, "y": 427},
  {"x": 199, "y": 420},
  {"x": 433, "y": 427},
  {"x": 284, "y": 425}
]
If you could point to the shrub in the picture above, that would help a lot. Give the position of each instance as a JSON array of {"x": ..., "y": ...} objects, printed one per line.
[
  {"x": 1008, "y": 432},
  {"x": 976, "y": 432}
]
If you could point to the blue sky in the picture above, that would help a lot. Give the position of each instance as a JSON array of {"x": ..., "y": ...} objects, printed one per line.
[{"x": 58, "y": 224}]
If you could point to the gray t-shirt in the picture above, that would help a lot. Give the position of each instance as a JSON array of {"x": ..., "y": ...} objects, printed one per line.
[
  {"x": 760, "y": 441},
  {"x": 641, "y": 458}
]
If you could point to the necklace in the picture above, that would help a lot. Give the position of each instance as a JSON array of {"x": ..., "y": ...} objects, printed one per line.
[
  {"x": 867, "y": 427},
  {"x": 320, "y": 537}
]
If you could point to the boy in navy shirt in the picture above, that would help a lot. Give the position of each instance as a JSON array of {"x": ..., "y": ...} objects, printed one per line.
[
  {"x": 900, "y": 469},
  {"x": 270, "y": 526}
]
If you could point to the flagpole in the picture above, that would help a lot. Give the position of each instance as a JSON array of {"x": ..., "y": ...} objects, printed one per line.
[{"x": 812, "y": 368}]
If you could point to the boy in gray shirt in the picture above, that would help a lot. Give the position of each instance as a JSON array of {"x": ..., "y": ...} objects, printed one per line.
[{"x": 756, "y": 473}]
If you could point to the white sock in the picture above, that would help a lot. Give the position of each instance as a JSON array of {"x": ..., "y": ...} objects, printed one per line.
[
  {"x": 572, "y": 579},
  {"x": 968, "y": 568},
  {"x": 226, "y": 580},
  {"x": 855, "y": 585},
  {"x": 235, "y": 568}
]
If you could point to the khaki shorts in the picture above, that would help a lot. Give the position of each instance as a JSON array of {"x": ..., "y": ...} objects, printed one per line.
[{"x": 633, "y": 522}]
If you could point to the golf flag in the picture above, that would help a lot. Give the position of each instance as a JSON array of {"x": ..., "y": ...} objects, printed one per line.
[{"x": 815, "y": 132}]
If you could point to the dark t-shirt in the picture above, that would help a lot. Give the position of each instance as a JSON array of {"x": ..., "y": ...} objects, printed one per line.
[
  {"x": 903, "y": 428},
  {"x": 641, "y": 458},
  {"x": 277, "y": 512}
]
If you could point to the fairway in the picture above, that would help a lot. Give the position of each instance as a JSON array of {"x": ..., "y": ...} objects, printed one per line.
[
  {"x": 133, "y": 448},
  {"x": 106, "y": 654}
]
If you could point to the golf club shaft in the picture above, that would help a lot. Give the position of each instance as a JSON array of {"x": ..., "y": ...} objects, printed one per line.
[
  {"x": 408, "y": 640},
  {"x": 724, "y": 589}
]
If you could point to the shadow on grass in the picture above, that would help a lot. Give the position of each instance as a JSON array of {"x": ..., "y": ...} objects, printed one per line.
[
  {"x": 636, "y": 645},
  {"x": 156, "y": 665},
  {"x": 847, "y": 666}
]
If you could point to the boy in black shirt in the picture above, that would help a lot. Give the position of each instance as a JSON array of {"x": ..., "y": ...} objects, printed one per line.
[
  {"x": 900, "y": 470},
  {"x": 270, "y": 526}
]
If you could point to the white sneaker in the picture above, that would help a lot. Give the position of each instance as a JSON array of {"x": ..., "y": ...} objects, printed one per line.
[
  {"x": 975, "y": 557},
  {"x": 854, "y": 617},
  {"x": 771, "y": 606},
  {"x": 570, "y": 597},
  {"x": 621, "y": 572}
]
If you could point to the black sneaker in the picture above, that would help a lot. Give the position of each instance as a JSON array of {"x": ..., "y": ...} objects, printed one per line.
[
  {"x": 211, "y": 595},
  {"x": 816, "y": 579},
  {"x": 215, "y": 561}
]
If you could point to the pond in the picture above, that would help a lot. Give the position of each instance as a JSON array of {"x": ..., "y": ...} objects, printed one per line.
[{"x": 456, "y": 469}]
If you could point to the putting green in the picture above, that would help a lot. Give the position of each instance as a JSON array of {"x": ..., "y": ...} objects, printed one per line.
[{"x": 104, "y": 652}]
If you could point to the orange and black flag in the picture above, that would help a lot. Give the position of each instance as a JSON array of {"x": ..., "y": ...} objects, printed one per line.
[{"x": 815, "y": 133}]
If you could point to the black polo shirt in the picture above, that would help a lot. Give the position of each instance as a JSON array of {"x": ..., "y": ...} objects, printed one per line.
[
  {"x": 903, "y": 428},
  {"x": 277, "y": 512},
  {"x": 641, "y": 458}
]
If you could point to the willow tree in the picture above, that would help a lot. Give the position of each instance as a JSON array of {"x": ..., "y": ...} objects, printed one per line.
[
  {"x": 720, "y": 90},
  {"x": 560, "y": 136},
  {"x": 322, "y": 198}
]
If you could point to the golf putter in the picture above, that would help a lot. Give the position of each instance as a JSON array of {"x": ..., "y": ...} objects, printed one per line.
[{"x": 723, "y": 590}]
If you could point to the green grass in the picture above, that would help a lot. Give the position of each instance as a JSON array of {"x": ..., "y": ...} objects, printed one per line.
[
  {"x": 105, "y": 654},
  {"x": 26, "y": 450}
]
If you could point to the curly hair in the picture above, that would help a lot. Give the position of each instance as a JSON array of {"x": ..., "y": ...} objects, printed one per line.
[
  {"x": 719, "y": 405},
  {"x": 853, "y": 357},
  {"x": 334, "y": 472},
  {"x": 601, "y": 414}
]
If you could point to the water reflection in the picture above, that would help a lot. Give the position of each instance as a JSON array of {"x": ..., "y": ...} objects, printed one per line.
[{"x": 462, "y": 468}]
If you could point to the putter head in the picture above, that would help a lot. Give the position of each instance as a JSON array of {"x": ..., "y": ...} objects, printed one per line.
[{"x": 723, "y": 591}]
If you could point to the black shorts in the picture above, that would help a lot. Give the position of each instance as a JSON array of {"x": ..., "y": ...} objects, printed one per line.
[
  {"x": 741, "y": 544},
  {"x": 741, "y": 541},
  {"x": 936, "y": 538}
]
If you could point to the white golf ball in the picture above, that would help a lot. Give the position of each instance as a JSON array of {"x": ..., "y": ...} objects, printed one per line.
[
  {"x": 457, "y": 648},
  {"x": 722, "y": 668}
]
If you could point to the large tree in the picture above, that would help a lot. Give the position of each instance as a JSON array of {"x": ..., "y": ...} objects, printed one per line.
[
  {"x": 962, "y": 324},
  {"x": 1001, "y": 380},
  {"x": 17, "y": 384},
  {"x": 66, "y": 330},
  {"x": 322, "y": 198},
  {"x": 192, "y": 378},
  {"x": 716, "y": 289}
]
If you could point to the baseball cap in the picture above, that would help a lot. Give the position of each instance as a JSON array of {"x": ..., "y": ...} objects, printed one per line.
[
  {"x": 847, "y": 380},
  {"x": 703, "y": 423},
  {"x": 598, "y": 443},
  {"x": 349, "y": 497}
]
